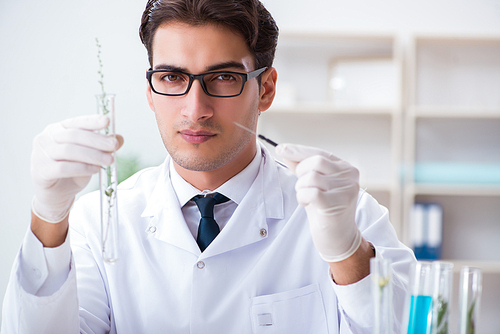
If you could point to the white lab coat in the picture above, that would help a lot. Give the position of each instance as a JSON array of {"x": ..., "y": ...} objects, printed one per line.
[{"x": 262, "y": 274}]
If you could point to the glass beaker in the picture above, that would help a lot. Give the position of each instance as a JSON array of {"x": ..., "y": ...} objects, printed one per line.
[
  {"x": 420, "y": 298},
  {"x": 441, "y": 297},
  {"x": 108, "y": 183},
  {"x": 381, "y": 274},
  {"x": 469, "y": 300}
]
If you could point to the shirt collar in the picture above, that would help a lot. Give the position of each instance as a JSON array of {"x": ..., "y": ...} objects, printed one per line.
[{"x": 235, "y": 188}]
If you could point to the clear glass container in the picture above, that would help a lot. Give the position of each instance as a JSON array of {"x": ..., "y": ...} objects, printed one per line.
[
  {"x": 419, "y": 312},
  {"x": 381, "y": 274},
  {"x": 442, "y": 296},
  {"x": 430, "y": 298},
  {"x": 108, "y": 183},
  {"x": 469, "y": 300}
]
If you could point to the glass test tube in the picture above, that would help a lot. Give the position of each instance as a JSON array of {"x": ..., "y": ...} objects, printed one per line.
[
  {"x": 108, "y": 183},
  {"x": 441, "y": 297},
  {"x": 469, "y": 300},
  {"x": 420, "y": 301},
  {"x": 381, "y": 274}
]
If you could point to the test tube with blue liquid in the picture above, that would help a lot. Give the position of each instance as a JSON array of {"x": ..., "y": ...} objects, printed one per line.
[{"x": 421, "y": 290}]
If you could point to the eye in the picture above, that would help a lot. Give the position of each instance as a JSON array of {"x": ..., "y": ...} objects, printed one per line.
[
  {"x": 225, "y": 77},
  {"x": 171, "y": 77}
]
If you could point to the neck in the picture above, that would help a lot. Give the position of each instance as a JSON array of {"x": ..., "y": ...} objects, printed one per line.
[{"x": 211, "y": 180}]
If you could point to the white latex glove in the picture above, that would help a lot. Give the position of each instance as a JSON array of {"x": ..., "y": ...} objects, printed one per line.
[
  {"x": 64, "y": 157},
  {"x": 328, "y": 189}
]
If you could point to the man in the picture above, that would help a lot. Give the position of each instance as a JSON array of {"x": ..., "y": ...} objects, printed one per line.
[{"x": 293, "y": 251}]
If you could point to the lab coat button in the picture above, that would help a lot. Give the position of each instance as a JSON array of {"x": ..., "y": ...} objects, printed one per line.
[
  {"x": 263, "y": 232},
  {"x": 200, "y": 264},
  {"x": 152, "y": 229},
  {"x": 265, "y": 319}
]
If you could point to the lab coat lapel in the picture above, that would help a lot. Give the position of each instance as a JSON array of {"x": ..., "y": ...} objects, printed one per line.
[
  {"x": 249, "y": 222},
  {"x": 166, "y": 217},
  {"x": 263, "y": 201}
]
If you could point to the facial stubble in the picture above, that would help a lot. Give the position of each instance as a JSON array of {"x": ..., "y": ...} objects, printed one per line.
[{"x": 229, "y": 150}]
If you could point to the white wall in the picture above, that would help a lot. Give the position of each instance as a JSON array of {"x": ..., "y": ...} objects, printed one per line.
[{"x": 48, "y": 71}]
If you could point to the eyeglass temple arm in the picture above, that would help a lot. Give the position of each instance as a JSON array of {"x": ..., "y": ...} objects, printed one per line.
[{"x": 256, "y": 73}]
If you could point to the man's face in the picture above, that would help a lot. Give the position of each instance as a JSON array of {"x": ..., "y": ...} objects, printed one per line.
[{"x": 197, "y": 129}]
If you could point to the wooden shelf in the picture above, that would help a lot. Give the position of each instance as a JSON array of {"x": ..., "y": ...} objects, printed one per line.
[
  {"x": 339, "y": 45},
  {"x": 352, "y": 107},
  {"x": 454, "y": 112},
  {"x": 488, "y": 267},
  {"x": 331, "y": 109},
  {"x": 453, "y": 189},
  {"x": 453, "y": 117},
  {"x": 453, "y": 40}
]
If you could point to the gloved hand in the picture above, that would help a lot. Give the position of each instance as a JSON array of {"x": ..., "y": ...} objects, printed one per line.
[
  {"x": 328, "y": 189},
  {"x": 64, "y": 157}
]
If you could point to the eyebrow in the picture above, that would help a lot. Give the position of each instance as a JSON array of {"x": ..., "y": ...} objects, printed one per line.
[
  {"x": 215, "y": 67},
  {"x": 228, "y": 64}
]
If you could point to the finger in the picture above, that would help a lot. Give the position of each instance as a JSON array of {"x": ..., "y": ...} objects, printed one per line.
[
  {"x": 46, "y": 151},
  {"x": 76, "y": 153},
  {"x": 298, "y": 153},
  {"x": 86, "y": 122},
  {"x": 330, "y": 200},
  {"x": 323, "y": 182},
  {"x": 311, "y": 196},
  {"x": 120, "y": 140},
  {"x": 322, "y": 165},
  {"x": 292, "y": 165},
  {"x": 63, "y": 170},
  {"x": 81, "y": 137},
  {"x": 70, "y": 169}
]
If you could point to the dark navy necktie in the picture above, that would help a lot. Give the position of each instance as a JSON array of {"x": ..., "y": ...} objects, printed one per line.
[{"x": 208, "y": 228}]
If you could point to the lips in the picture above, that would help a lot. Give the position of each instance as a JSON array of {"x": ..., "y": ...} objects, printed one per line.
[{"x": 196, "y": 137}]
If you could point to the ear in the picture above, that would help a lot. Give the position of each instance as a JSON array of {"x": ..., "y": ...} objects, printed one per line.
[
  {"x": 149, "y": 96},
  {"x": 267, "y": 88}
]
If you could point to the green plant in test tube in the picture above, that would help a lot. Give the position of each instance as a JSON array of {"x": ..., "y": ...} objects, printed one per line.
[
  {"x": 108, "y": 176},
  {"x": 471, "y": 323},
  {"x": 431, "y": 292},
  {"x": 443, "y": 281},
  {"x": 381, "y": 274},
  {"x": 442, "y": 321},
  {"x": 469, "y": 299}
]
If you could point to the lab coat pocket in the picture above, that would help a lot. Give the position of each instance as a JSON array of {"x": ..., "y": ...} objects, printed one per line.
[{"x": 298, "y": 311}]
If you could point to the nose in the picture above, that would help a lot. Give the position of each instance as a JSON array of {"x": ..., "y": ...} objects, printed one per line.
[{"x": 197, "y": 104}]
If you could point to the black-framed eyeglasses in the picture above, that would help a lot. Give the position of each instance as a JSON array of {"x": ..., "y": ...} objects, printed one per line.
[{"x": 216, "y": 84}]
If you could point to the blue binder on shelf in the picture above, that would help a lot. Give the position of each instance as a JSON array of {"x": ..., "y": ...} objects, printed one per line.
[{"x": 427, "y": 230}]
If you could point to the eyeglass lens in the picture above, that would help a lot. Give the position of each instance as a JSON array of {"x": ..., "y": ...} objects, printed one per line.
[{"x": 219, "y": 83}]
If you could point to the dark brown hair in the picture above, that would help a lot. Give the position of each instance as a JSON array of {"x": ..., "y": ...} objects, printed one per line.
[{"x": 248, "y": 17}]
